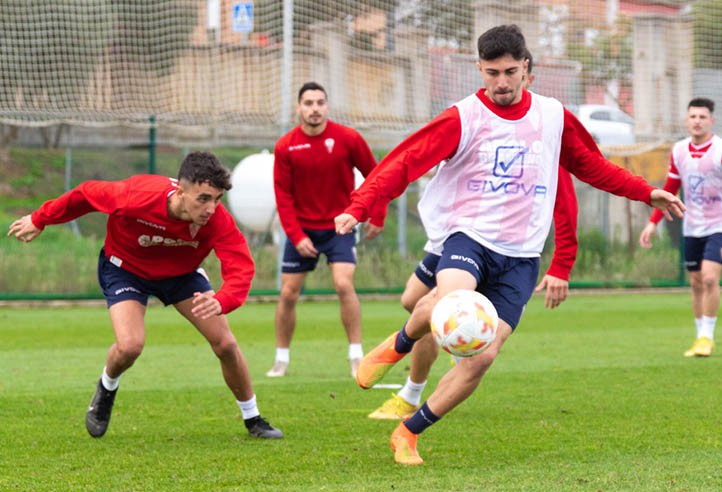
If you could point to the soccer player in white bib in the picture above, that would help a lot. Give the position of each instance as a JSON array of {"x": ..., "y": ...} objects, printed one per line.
[
  {"x": 555, "y": 282},
  {"x": 695, "y": 165},
  {"x": 488, "y": 209},
  {"x": 159, "y": 232}
]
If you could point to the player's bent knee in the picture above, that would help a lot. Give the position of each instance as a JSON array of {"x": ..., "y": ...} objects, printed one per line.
[
  {"x": 422, "y": 310},
  {"x": 227, "y": 346},
  {"x": 289, "y": 296},
  {"x": 344, "y": 288},
  {"x": 710, "y": 282},
  {"x": 407, "y": 303},
  {"x": 129, "y": 350},
  {"x": 477, "y": 366}
]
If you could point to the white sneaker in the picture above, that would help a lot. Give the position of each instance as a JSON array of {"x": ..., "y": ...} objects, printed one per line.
[
  {"x": 278, "y": 370},
  {"x": 354, "y": 366}
]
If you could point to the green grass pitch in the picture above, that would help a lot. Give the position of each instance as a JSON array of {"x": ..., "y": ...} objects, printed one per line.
[{"x": 592, "y": 396}]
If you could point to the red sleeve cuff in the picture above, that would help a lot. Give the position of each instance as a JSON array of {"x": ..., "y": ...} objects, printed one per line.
[{"x": 559, "y": 271}]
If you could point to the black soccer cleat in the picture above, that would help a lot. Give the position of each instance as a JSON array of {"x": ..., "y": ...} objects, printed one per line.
[
  {"x": 97, "y": 417},
  {"x": 258, "y": 427}
]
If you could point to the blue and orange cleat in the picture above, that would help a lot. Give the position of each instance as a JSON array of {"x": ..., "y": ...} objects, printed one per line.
[{"x": 378, "y": 362}]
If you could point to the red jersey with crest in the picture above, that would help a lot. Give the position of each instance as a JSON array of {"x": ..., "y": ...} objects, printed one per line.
[
  {"x": 314, "y": 176},
  {"x": 143, "y": 239}
]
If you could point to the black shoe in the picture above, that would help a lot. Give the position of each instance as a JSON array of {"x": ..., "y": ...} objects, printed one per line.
[
  {"x": 258, "y": 427},
  {"x": 98, "y": 415}
]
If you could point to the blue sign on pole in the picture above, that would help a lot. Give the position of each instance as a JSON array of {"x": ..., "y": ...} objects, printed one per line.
[{"x": 243, "y": 17}]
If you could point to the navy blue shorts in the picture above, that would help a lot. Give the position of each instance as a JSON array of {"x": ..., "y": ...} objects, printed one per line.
[
  {"x": 697, "y": 249},
  {"x": 121, "y": 285},
  {"x": 338, "y": 248},
  {"x": 507, "y": 281},
  {"x": 426, "y": 270}
]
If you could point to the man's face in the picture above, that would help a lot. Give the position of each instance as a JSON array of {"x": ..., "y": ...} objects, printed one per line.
[
  {"x": 312, "y": 108},
  {"x": 198, "y": 201},
  {"x": 503, "y": 79},
  {"x": 699, "y": 122}
]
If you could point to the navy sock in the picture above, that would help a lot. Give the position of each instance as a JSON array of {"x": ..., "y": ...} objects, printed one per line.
[
  {"x": 404, "y": 343},
  {"x": 421, "y": 420}
]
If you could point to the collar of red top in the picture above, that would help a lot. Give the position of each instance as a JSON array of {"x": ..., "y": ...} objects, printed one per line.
[
  {"x": 510, "y": 112},
  {"x": 700, "y": 148}
]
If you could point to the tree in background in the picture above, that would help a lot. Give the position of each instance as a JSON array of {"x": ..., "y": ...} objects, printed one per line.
[
  {"x": 448, "y": 22},
  {"x": 269, "y": 14},
  {"x": 48, "y": 50},
  {"x": 605, "y": 56},
  {"x": 151, "y": 35}
]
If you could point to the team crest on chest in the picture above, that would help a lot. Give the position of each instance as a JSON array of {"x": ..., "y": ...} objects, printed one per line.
[{"x": 329, "y": 143}]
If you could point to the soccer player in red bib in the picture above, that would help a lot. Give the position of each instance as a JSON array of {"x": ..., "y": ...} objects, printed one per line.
[
  {"x": 159, "y": 231},
  {"x": 695, "y": 165},
  {"x": 488, "y": 209}
]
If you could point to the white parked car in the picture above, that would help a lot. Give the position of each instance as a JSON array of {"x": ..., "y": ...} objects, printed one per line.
[{"x": 608, "y": 125}]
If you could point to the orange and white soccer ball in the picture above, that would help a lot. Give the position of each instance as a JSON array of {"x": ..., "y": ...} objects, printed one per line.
[{"x": 464, "y": 323}]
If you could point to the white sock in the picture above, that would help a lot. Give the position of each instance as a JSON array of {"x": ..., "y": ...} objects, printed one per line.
[
  {"x": 698, "y": 324},
  {"x": 707, "y": 328},
  {"x": 355, "y": 351},
  {"x": 109, "y": 383},
  {"x": 411, "y": 392},
  {"x": 283, "y": 355},
  {"x": 249, "y": 409}
]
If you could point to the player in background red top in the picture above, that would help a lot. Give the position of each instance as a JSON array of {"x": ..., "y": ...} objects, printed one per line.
[
  {"x": 696, "y": 165},
  {"x": 159, "y": 231},
  {"x": 555, "y": 282},
  {"x": 313, "y": 180},
  {"x": 489, "y": 208}
]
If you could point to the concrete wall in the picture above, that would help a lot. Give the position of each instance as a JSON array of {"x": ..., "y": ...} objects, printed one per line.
[{"x": 662, "y": 74}]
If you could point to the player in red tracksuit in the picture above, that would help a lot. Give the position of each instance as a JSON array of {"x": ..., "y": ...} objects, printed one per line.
[
  {"x": 488, "y": 210},
  {"x": 159, "y": 231},
  {"x": 313, "y": 179}
]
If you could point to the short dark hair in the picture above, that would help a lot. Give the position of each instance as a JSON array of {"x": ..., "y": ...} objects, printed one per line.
[
  {"x": 502, "y": 40},
  {"x": 702, "y": 102},
  {"x": 204, "y": 167},
  {"x": 311, "y": 86}
]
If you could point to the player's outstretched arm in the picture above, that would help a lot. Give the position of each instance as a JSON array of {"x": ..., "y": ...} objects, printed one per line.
[
  {"x": 24, "y": 229},
  {"x": 667, "y": 203},
  {"x": 345, "y": 223}
]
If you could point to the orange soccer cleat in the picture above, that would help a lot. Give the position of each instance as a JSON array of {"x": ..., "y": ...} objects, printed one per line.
[
  {"x": 378, "y": 362},
  {"x": 403, "y": 442}
]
